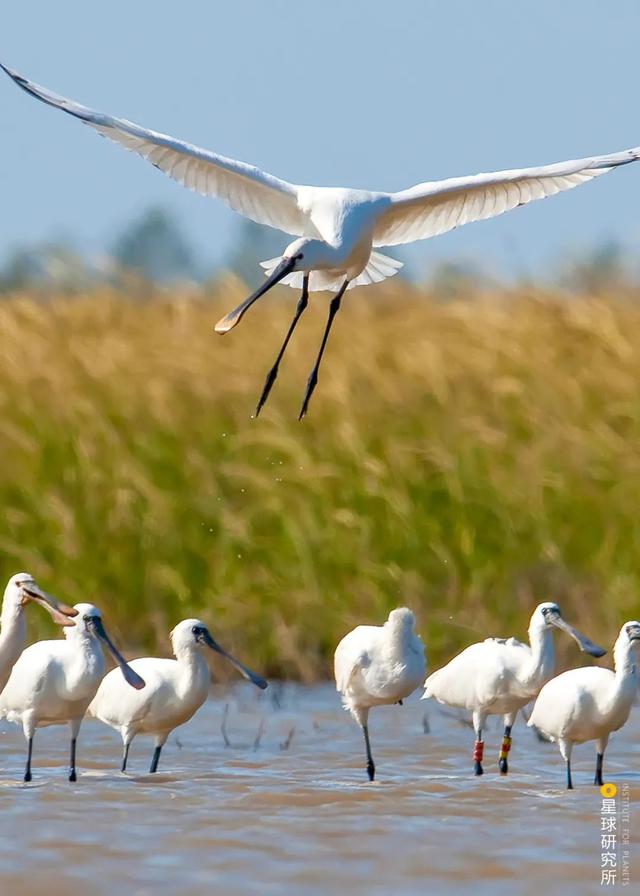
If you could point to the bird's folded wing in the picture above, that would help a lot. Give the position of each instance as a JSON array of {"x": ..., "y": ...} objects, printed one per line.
[
  {"x": 346, "y": 666},
  {"x": 246, "y": 189},
  {"x": 433, "y": 208}
]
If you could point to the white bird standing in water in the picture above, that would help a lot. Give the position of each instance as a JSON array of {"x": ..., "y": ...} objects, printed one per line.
[
  {"x": 377, "y": 665},
  {"x": 54, "y": 682},
  {"x": 500, "y": 676},
  {"x": 590, "y": 703},
  {"x": 337, "y": 230},
  {"x": 174, "y": 689},
  {"x": 21, "y": 589}
]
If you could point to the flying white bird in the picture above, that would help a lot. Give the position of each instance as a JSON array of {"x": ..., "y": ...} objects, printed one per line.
[
  {"x": 55, "y": 681},
  {"x": 590, "y": 703},
  {"x": 501, "y": 675},
  {"x": 22, "y": 588},
  {"x": 173, "y": 692},
  {"x": 377, "y": 665},
  {"x": 337, "y": 230}
]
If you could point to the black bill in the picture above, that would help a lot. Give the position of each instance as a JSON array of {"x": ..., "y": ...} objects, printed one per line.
[
  {"x": 60, "y": 612},
  {"x": 242, "y": 669},
  {"x": 233, "y": 317},
  {"x": 129, "y": 675},
  {"x": 584, "y": 643}
]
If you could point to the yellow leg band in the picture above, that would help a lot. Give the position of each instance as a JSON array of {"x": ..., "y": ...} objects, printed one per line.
[{"x": 506, "y": 746}]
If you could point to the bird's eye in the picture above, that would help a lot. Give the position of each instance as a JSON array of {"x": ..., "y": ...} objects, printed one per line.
[
  {"x": 196, "y": 630},
  {"x": 87, "y": 618},
  {"x": 299, "y": 257}
]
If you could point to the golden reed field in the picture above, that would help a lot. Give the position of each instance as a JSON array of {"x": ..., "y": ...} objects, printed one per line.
[{"x": 468, "y": 459}]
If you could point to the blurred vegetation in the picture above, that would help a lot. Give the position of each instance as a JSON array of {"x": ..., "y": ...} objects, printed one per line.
[{"x": 467, "y": 458}]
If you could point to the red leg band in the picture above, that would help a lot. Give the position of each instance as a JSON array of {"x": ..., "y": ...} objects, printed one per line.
[{"x": 478, "y": 751}]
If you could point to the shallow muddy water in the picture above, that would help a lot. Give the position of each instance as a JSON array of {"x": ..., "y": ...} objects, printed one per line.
[{"x": 292, "y": 813}]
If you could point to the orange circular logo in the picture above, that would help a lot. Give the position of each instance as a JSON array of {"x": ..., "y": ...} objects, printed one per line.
[{"x": 608, "y": 790}]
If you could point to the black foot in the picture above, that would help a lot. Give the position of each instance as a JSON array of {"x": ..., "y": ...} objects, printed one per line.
[
  {"x": 270, "y": 380},
  {"x": 72, "y": 776},
  {"x": 477, "y": 769},
  {"x": 598, "y": 780},
  {"x": 569, "y": 786},
  {"x": 503, "y": 765},
  {"x": 27, "y": 777},
  {"x": 371, "y": 770},
  {"x": 312, "y": 382}
]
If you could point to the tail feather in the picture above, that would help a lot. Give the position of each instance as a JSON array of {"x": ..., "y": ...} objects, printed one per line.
[{"x": 379, "y": 267}]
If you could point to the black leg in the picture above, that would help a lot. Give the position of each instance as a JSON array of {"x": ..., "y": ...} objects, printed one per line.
[
  {"x": 503, "y": 764},
  {"x": 478, "y": 751},
  {"x": 599, "y": 761},
  {"x": 334, "y": 307},
  {"x": 125, "y": 756},
  {"x": 273, "y": 373},
  {"x": 569, "y": 781},
  {"x": 27, "y": 770},
  {"x": 72, "y": 760},
  {"x": 154, "y": 761},
  {"x": 371, "y": 769}
]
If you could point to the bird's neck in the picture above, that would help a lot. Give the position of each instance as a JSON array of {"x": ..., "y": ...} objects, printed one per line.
[
  {"x": 194, "y": 672},
  {"x": 397, "y": 639},
  {"x": 624, "y": 685},
  {"x": 87, "y": 661},
  {"x": 12, "y": 623},
  {"x": 540, "y": 667},
  {"x": 12, "y": 634}
]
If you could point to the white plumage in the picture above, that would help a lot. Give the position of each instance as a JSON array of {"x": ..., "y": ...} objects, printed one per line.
[
  {"x": 20, "y": 590},
  {"x": 377, "y": 666},
  {"x": 174, "y": 689},
  {"x": 55, "y": 681},
  {"x": 590, "y": 703},
  {"x": 500, "y": 676},
  {"x": 337, "y": 228}
]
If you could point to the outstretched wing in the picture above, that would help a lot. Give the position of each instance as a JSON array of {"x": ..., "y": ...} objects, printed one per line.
[
  {"x": 433, "y": 208},
  {"x": 248, "y": 190}
]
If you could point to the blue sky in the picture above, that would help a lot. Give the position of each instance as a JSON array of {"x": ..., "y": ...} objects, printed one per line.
[{"x": 362, "y": 93}]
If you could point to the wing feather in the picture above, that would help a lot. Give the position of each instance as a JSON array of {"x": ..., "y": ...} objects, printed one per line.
[
  {"x": 436, "y": 207},
  {"x": 244, "y": 188}
]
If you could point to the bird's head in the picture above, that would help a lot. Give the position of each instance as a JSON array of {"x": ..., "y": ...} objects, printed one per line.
[
  {"x": 627, "y": 646},
  {"x": 188, "y": 635},
  {"x": 402, "y": 618},
  {"x": 632, "y": 631},
  {"x": 193, "y": 634},
  {"x": 22, "y": 588},
  {"x": 306, "y": 254},
  {"x": 548, "y": 615}
]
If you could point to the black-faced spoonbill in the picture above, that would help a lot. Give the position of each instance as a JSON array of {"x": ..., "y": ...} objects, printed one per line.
[
  {"x": 22, "y": 588},
  {"x": 589, "y": 703},
  {"x": 377, "y": 665},
  {"x": 174, "y": 689},
  {"x": 338, "y": 229},
  {"x": 501, "y": 675},
  {"x": 54, "y": 682}
]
